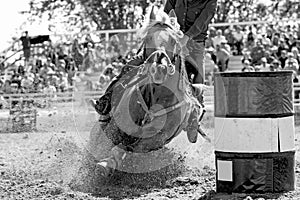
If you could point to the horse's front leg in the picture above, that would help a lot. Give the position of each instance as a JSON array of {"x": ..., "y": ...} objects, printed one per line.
[{"x": 107, "y": 155}]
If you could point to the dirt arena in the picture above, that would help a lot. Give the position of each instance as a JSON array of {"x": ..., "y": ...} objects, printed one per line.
[{"x": 52, "y": 163}]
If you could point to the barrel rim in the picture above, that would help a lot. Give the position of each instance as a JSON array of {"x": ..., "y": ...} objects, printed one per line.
[
  {"x": 255, "y": 155},
  {"x": 253, "y": 74},
  {"x": 263, "y": 115}
]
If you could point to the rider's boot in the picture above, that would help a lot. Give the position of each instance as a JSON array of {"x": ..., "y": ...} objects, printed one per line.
[
  {"x": 196, "y": 114},
  {"x": 191, "y": 130},
  {"x": 101, "y": 109},
  {"x": 197, "y": 90}
]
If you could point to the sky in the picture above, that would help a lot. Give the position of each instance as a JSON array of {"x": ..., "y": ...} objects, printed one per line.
[{"x": 10, "y": 19}]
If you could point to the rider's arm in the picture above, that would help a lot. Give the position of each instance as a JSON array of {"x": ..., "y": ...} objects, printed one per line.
[
  {"x": 170, "y": 4},
  {"x": 203, "y": 20}
]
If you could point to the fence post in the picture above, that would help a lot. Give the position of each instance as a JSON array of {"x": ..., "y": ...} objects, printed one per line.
[{"x": 106, "y": 41}]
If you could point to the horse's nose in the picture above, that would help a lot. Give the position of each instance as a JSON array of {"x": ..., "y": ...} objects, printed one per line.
[
  {"x": 160, "y": 75},
  {"x": 162, "y": 69}
]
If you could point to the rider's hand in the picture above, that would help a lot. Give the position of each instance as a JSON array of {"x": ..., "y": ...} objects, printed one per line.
[
  {"x": 185, "y": 51},
  {"x": 183, "y": 41}
]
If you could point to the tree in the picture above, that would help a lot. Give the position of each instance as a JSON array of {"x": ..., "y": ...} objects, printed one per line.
[
  {"x": 109, "y": 14},
  {"x": 121, "y": 14}
]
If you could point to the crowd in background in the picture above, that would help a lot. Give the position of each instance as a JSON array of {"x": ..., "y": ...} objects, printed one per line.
[
  {"x": 54, "y": 67},
  {"x": 263, "y": 47},
  {"x": 63, "y": 67}
]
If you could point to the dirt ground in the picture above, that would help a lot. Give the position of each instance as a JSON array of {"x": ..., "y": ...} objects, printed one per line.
[{"x": 53, "y": 163}]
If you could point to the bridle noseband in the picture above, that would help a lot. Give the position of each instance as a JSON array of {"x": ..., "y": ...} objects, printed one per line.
[{"x": 151, "y": 67}]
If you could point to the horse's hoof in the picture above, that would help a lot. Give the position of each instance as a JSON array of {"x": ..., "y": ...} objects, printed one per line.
[
  {"x": 106, "y": 167},
  {"x": 102, "y": 171}
]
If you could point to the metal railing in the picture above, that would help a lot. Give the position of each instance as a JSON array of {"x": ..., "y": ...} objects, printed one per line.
[{"x": 85, "y": 95}]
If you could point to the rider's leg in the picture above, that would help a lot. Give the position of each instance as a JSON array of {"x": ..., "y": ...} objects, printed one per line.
[
  {"x": 102, "y": 105},
  {"x": 197, "y": 54},
  {"x": 196, "y": 58}
]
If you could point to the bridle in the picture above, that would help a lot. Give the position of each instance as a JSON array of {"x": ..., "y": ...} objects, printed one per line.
[
  {"x": 151, "y": 67},
  {"x": 144, "y": 68},
  {"x": 148, "y": 68}
]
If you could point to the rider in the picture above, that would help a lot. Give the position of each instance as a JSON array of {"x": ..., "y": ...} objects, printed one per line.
[
  {"x": 193, "y": 16},
  {"x": 194, "y": 24}
]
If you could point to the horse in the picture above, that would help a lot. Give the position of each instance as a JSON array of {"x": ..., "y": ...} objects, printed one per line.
[{"x": 150, "y": 104}]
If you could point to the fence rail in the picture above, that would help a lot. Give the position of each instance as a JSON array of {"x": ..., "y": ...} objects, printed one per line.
[{"x": 82, "y": 95}]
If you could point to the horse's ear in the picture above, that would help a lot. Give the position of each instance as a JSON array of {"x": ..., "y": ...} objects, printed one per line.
[
  {"x": 172, "y": 14},
  {"x": 152, "y": 14}
]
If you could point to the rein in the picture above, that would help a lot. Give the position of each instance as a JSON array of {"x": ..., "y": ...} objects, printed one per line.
[
  {"x": 144, "y": 69},
  {"x": 150, "y": 114}
]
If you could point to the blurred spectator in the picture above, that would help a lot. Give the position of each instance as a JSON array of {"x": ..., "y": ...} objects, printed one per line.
[
  {"x": 49, "y": 89},
  {"x": 269, "y": 57},
  {"x": 264, "y": 66},
  {"x": 62, "y": 82},
  {"x": 228, "y": 33},
  {"x": 16, "y": 79},
  {"x": 291, "y": 41},
  {"x": 25, "y": 39},
  {"x": 222, "y": 55},
  {"x": 238, "y": 36},
  {"x": 296, "y": 54},
  {"x": 257, "y": 52},
  {"x": 88, "y": 43},
  {"x": 26, "y": 84},
  {"x": 291, "y": 63},
  {"x": 21, "y": 70},
  {"x": 283, "y": 58},
  {"x": 77, "y": 53},
  {"x": 61, "y": 65},
  {"x": 218, "y": 38},
  {"x": 247, "y": 67},
  {"x": 250, "y": 38},
  {"x": 265, "y": 41},
  {"x": 246, "y": 56},
  {"x": 45, "y": 70},
  {"x": 15, "y": 88},
  {"x": 71, "y": 71},
  {"x": 6, "y": 87},
  {"x": 275, "y": 66},
  {"x": 282, "y": 47},
  {"x": 89, "y": 58},
  {"x": 115, "y": 43}
]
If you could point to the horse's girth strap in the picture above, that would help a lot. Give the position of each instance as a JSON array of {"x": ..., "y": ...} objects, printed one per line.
[
  {"x": 159, "y": 113},
  {"x": 168, "y": 109}
]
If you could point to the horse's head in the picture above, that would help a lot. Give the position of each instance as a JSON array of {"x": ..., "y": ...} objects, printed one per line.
[{"x": 161, "y": 48}]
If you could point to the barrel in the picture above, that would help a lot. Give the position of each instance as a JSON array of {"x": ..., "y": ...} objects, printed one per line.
[{"x": 254, "y": 132}]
